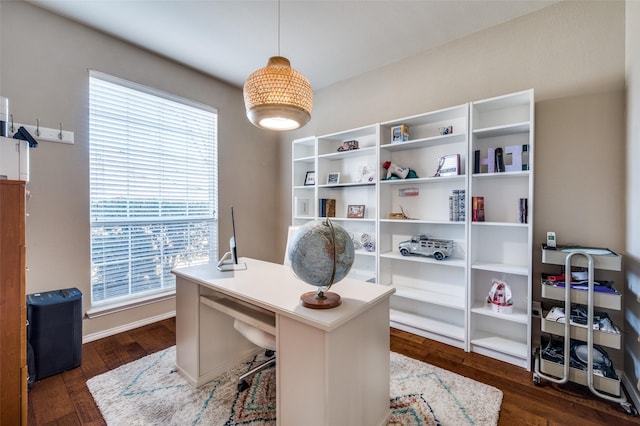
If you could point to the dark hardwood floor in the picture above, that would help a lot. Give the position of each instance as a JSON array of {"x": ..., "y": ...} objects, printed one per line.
[{"x": 64, "y": 399}]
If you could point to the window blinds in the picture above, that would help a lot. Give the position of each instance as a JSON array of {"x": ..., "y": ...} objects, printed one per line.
[{"x": 153, "y": 185}]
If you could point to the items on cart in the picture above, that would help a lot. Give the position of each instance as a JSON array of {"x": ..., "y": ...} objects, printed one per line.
[
  {"x": 580, "y": 286},
  {"x": 601, "y": 320},
  {"x": 579, "y": 283},
  {"x": 579, "y": 355}
]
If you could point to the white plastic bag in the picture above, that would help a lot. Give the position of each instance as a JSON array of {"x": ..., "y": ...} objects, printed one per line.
[{"x": 500, "y": 297}]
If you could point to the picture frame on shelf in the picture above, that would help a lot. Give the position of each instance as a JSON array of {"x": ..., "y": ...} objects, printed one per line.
[
  {"x": 310, "y": 178},
  {"x": 302, "y": 207},
  {"x": 448, "y": 165},
  {"x": 355, "y": 211},
  {"x": 333, "y": 178}
]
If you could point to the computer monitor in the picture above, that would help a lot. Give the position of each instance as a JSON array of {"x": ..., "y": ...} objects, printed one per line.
[
  {"x": 232, "y": 240},
  {"x": 229, "y": 262}
]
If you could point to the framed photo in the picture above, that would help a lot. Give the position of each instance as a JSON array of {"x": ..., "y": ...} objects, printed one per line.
[
  {"x": 302, "y": 206},
  {"x": 310, "y": 178},
  {"x": 333, "y": 178},
  {"x": 355, "y": 210},
  {"x": 449, "y": 165}
]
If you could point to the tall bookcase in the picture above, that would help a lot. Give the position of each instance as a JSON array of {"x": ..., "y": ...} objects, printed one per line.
[
  {"x": 325, "y": 156},
  {"x": 445, "y": 300},
  {"x": 303, "y": 168},
  {"x": 501, "y": 246},
  {"x": 430, "y": 297}
]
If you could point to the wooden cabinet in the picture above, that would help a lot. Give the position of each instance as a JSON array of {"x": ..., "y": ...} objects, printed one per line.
[{"x": 13, "y": 359}]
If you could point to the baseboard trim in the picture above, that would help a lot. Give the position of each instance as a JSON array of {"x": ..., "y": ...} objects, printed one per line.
[{"x": 126, "y": 327}]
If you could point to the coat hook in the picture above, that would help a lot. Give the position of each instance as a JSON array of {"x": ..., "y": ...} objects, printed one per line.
[
  {"x": 13, "y": 128},
  {"x": 60, "y": 134},
  {"x": 37, "y": 127}
]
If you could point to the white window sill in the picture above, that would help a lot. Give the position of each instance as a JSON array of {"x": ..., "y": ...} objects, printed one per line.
[{"x": 112, "y": 308}]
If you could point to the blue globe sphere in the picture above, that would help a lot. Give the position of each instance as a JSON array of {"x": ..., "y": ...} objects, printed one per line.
[{"x": 321, "y": 253}]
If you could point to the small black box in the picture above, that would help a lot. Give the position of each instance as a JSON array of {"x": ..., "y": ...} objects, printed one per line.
[{"x": 55, "y": 330}]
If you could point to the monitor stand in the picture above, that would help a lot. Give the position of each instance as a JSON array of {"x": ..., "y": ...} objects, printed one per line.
[{"x": 226, "y": 263}]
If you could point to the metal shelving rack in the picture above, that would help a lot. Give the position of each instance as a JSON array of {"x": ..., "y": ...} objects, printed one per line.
[{"x": 603, "y": 387}]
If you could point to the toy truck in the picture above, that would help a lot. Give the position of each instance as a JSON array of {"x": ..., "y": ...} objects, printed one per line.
[{"x": 425, "y": 246}]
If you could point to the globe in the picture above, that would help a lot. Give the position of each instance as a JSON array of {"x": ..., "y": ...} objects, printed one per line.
[{"x": 321, "y": 254}]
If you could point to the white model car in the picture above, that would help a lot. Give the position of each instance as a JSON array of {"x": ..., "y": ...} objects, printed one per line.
[{"x": 425, "y": 246}]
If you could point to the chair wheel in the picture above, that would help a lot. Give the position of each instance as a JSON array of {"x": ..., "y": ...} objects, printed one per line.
[
  {"x": 243, "y": 385},
  {"x": 269, "y": 353}
]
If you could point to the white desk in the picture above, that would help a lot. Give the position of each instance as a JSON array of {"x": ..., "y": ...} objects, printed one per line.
[{"x": 332, "y": 365}]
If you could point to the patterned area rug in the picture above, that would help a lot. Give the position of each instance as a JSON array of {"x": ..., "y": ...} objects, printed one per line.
[{"x": 150, "y": 392}]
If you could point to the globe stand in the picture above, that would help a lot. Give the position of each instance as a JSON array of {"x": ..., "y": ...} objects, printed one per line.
[{"x": 320, "y": 300}]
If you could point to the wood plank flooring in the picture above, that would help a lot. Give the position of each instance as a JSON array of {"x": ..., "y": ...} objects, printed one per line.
[{"x": 64, "y": 399}]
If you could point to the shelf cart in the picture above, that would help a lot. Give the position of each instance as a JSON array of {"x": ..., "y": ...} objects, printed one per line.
[{"x": 591, "y": 258}]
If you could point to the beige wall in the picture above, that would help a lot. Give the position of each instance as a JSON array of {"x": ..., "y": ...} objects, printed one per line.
[
  {"x": 632, "y": 260},
  {"x": 567, "y": 53},
  {"x": 580, "y": 180},
  {"x": 572, "y": 54},
  {"x": 43, "y": 72}
]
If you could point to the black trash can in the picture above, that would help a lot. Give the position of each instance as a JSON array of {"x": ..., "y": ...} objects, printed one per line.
[{"x": 55, "y": 331}]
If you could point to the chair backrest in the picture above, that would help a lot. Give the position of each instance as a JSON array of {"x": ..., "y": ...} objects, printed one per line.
[{"x": 291, "y": 233}]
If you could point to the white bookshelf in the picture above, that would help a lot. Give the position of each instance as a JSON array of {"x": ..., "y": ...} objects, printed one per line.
[
  {"x": 501, "y": 246},
  {"x": 444, "y": 300}
]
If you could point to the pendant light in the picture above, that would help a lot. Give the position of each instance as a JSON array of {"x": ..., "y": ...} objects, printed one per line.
[{"x": 277, "y": 97}]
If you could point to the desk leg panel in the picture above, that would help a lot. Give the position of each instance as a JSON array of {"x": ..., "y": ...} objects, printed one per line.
[
  {"x": 207, "y": 344},
  {"x": 221, "y": 346},
  {"x": 334, "y": 378},
  {"x": 187, "y": 329}
]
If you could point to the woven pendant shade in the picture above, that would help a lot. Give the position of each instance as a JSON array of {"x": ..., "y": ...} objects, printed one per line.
[{"x": 277, "y": 97}]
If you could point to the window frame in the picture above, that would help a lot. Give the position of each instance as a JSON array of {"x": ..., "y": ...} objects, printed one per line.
[{"x": 133, "y": 298}]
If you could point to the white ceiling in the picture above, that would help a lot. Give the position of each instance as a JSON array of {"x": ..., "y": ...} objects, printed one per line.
[{"x": 328, "y": 41}]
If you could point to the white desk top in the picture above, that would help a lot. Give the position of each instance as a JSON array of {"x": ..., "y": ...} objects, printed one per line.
[{"x": 274, "y": 287}]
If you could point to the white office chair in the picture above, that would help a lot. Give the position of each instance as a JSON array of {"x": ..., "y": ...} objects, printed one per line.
[
  {"x": 259, "y": 337},
  {"x": 291, "y": 232}
]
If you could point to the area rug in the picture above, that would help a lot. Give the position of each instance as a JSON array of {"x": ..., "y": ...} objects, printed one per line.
[{"x": 149, "y": 391}]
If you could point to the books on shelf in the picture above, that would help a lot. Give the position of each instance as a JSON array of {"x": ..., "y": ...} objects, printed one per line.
[
  {"x": 327, "y": 207},
  {"x": 477, "y": 209},
  {"x": 457, "y": 205}
]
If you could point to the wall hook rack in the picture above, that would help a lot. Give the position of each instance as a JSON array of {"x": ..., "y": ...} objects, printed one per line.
[{"x": 46, "y": 134}]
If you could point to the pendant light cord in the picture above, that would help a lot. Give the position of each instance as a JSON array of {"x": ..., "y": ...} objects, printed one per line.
[{"x": 278, "y": 27}]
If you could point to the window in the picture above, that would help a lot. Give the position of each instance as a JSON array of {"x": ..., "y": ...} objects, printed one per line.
[{"x": 153, "y": 188}]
